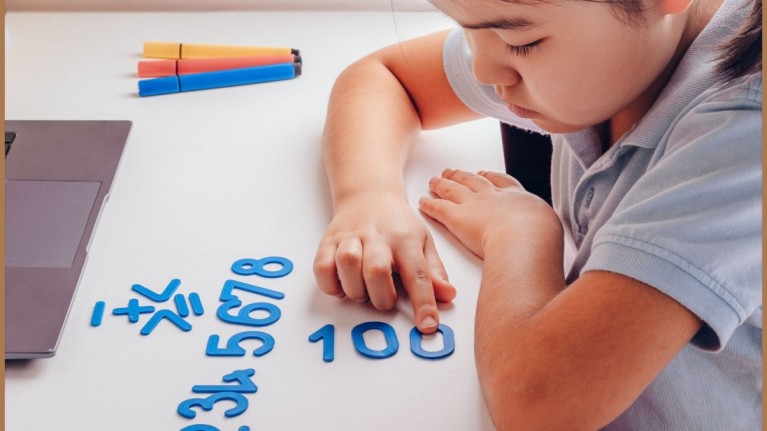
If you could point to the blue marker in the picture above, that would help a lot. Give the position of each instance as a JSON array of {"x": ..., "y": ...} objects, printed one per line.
[{"x": 218, "y": 79}]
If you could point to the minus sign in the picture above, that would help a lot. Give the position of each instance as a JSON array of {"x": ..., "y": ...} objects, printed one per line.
[{"x": 98, "y": 313}]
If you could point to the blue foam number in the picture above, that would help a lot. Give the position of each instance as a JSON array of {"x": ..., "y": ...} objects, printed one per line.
[
  {"x": 200, "y": 427},
  {"x": 205, "y": 427},
  {"x": 242, "y": 377},
  {"x": 328, "y": 335},
  {"x": 392, "y": 345},
  {"x": 233, "y": 344},
  {"x": 258, "y": 266},
  {"x": 227, "y": 292},
  {"x": 207, "y": 403},
  {"x": 448, "y": 339},
  {"x": 243, "y": 316}
]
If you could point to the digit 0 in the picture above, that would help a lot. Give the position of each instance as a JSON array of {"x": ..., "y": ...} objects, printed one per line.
[
  {"x": 392, "y": 345},
  {"x": 448, "y": 341}
]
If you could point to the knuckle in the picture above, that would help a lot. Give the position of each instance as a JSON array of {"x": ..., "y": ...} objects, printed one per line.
[
  {"x": 324, "y": 267},
  {"x": 425, "y": 307},
  {"x": 328, "y": 289},
  {"x": 361, "y": 296},
  {"x": 377, "y": 271},
  {"x": 348, "y": 257},
  {"x": 421, "y": 278},
  {"x": 384, "y": 304}
]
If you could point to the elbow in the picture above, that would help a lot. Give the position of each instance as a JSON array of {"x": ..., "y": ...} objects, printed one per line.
[{"x": 525, "y": 395}]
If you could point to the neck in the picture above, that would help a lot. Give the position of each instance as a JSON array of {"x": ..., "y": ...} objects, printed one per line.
[{"x": 697, "y": 17}]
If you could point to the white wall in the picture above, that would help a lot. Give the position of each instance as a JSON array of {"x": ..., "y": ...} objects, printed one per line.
[{"x": 213, "y": 5}]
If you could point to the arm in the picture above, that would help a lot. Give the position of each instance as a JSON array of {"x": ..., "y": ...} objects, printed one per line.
[
  {"x": 549, "y": 357},
  {"x": 376, "y": 110}
]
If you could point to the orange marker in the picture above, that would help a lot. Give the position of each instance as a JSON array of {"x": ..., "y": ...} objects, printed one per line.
[
  {"x": 155, "y": 68},
  {"x": 174, "y": 50}
]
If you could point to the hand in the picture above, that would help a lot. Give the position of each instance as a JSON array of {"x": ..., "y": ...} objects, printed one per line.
[
  {"x": 483, "y": 206},
  {"x": 369, "y": 239}
]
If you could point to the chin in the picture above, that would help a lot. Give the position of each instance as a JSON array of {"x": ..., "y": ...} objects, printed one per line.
[{"x": 558, "y": 127}]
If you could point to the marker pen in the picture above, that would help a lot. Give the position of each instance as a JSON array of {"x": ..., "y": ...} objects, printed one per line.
[
  {"x": 174, "y": 50},
  {"x": 218, "y": 79},
  {"x": 155, "y": 68}
]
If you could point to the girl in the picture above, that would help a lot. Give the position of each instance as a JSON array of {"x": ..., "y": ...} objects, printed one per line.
[{"x": 654, "y": 108}]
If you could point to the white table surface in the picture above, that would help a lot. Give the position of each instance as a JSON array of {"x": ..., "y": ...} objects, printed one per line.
[{"x": 213, "y": 176}]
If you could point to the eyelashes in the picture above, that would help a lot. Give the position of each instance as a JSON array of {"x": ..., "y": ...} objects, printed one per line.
[{"x": 522, "y": 50}]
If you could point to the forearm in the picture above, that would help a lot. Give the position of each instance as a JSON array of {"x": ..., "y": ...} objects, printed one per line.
[
  {"x": 550, "y": 357},
  {"x": 521, "y": 275},
  {"x": 370, "y": 128},
  {"x": 554, "y": 358}
]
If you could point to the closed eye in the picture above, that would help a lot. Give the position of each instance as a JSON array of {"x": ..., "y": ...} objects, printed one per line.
[{"x": 522, "y": 50}]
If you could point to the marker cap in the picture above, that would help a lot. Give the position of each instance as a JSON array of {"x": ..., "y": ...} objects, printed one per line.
[
  {"x": 153, "y": 68},
  {"x": 162, "y": 50},
  {"x": 157, "y": 86}
]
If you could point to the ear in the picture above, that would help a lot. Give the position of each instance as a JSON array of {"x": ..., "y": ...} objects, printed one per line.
[{"x": 673, "y": 7}]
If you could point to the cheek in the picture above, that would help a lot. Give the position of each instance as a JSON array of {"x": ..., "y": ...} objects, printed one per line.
[
  {"x": 586, "y": 86},
  {"x": 567, "y": 92}
]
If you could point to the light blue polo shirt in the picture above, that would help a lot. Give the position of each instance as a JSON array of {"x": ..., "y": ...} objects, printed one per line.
[{"x": 676, "y": 203}]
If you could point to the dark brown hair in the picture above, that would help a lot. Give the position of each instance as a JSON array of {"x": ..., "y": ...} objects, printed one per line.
[
  {"x": 742, "y": 54},
  {"x": 739, "y": 56}
]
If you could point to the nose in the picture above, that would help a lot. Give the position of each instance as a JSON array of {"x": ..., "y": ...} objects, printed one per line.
[{"x": 490, "y": 63}]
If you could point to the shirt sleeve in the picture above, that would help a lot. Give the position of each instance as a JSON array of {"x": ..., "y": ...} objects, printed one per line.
[
  {"x": 456, "y": 58},
  {"x": 692, "y": 225}
]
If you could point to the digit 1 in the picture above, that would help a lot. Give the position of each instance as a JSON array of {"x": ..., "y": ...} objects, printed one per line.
[{"x": 328, "y": 336}]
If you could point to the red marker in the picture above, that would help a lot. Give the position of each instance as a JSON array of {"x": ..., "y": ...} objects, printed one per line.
[{"x": 159, "y": 68}]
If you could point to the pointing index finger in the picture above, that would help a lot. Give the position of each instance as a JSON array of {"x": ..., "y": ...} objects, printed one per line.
[{"x": 414, "y": 271}]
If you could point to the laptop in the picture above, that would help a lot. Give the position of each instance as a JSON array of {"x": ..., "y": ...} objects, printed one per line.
[{"x": 58, "y": 175}]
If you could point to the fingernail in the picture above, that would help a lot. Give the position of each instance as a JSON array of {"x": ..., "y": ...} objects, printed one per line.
[{"x": 428, "y": 322}]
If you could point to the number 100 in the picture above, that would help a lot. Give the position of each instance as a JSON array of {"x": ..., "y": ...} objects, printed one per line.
[{"x": 326, "y": 334}]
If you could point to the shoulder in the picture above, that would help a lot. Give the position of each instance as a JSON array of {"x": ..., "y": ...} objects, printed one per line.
[
  {"x": 725, "y": 118},
  {"x": 740, "y": 93},
  {"x": 689, "y": 222}
]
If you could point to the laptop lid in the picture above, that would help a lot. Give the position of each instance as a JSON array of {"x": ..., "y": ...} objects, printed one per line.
[{"x": 58, "y": 175}]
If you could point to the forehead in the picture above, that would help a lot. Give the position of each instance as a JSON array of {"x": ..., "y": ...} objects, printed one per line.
[{"x": 499, "y": 14}]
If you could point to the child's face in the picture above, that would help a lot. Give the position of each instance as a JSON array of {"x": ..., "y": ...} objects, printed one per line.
[{"x": 566, "y": 65}]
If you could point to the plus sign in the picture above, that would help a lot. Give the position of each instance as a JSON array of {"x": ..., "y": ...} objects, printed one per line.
[{"x": 133, "y": 310}]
